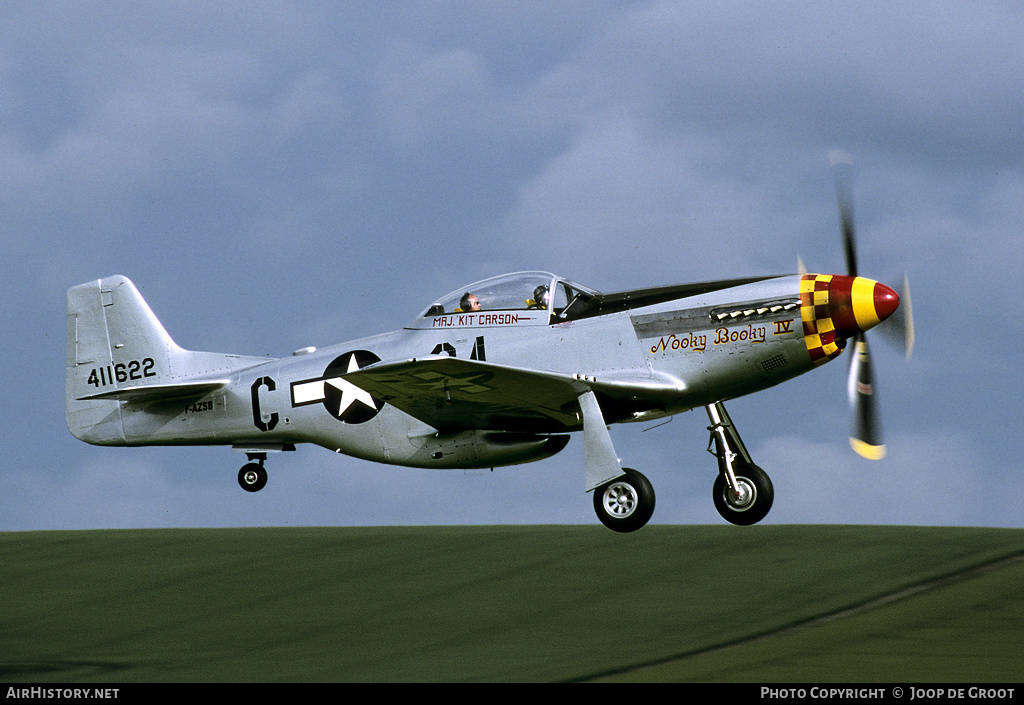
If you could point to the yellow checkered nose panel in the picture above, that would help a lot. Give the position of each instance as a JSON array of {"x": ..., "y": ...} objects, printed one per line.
[{"x": 835, "y": 307}]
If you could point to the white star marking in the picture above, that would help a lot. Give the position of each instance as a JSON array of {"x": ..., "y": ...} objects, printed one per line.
[
  {"x": 316, "y": 390},
  {"x": 350, "y": 393}
]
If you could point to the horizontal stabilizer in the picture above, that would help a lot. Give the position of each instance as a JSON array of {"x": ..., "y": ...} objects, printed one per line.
[{"x": 148, "y": 393}]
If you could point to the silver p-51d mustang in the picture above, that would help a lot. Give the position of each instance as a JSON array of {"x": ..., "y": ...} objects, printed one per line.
[{"x": 495, "y": 373}]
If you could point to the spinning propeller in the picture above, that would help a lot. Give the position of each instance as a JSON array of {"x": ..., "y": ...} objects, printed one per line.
[{"x": 866, "y": 431}]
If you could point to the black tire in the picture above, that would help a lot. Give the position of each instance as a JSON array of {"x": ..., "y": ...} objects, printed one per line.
[
  {"x": 754, "y": 505},
  {"x": 252, "y": 477},
  {"x": 626, "y": 503}
]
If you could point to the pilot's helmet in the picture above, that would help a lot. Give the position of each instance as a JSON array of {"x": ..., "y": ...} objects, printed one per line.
[{"x": 542, "y": 296}]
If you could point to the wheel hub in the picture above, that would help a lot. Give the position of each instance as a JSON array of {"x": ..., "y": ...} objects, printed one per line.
[
  {"x": 744, "y": 496},
  {"x": 620, "y": 500}
]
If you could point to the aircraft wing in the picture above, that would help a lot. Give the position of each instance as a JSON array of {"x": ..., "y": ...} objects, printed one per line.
[{"x": 452, "y": 393}]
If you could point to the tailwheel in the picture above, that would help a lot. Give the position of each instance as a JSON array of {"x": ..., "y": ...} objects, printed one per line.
[
  {"x": 626, "y": 503},
  {"x": 750, "y": 502},
  {"x": 252, "y": 477}
]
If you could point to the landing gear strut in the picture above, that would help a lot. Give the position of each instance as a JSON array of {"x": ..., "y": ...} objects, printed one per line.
[
  {"x": 742, "y": 492},
  {"x": 623, "y": 498},
  {"x": 253, "y": 477}
]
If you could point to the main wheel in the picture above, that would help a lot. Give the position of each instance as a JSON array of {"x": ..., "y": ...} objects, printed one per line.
[
  {"x": 626, "y": 503},
  {"x": 252, "y": 477},
  {"x": 753, "y": 501}
]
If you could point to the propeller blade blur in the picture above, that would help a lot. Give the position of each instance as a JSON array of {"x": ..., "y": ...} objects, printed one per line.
[
  {"x": 906, "y": 313},
  {"x": 866, "y": 432},
  {"x": 842, "y": 172},
  {"x": 898, "y": 329}
]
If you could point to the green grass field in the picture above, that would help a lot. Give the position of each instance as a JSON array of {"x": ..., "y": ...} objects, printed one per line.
[{"x": 508, "y": 603}]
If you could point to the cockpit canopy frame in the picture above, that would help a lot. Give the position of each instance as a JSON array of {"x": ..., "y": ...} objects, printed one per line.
[{"x": 543, "y": 297}]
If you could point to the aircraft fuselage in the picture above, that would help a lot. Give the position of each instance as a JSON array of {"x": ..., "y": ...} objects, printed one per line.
[{"x": 646, "y": 355}]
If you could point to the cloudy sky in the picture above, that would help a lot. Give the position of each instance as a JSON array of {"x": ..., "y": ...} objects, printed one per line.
[{"x": 274, "y": 175}]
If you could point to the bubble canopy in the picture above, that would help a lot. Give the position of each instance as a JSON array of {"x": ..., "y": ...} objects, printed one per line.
[{"x": 541, "y": 292}]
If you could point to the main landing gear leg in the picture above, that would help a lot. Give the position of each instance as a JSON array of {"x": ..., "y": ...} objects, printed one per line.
[
  {"x": 623, "y": 498},
  {"x": 253, "y": 477},
  {"x": 742, "y": 492}
]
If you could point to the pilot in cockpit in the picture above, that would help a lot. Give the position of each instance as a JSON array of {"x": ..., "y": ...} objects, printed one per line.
[
  {"x": 541, "y": 298},
  {"x": 469, "y": 302}
]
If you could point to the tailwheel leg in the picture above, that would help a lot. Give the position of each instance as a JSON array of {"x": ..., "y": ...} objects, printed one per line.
[
  {"x": 743, "y": 493},
  {"x": 253, "y": 476}
]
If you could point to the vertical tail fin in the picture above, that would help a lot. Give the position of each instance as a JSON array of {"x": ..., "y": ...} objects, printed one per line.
[
  {"x": 114, "y": 340},
  {"x": 118, "y": 351}
]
